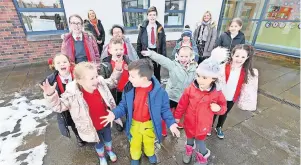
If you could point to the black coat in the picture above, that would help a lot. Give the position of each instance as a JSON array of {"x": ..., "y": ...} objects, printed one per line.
[
  {"x": 142, "y": 42},
  {"x": 64, "y": 119},
  {"x": 90, "y": 28},
  {"x": 226, "y": 41}
]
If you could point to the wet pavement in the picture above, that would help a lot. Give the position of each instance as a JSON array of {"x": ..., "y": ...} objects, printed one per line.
[{"x": 270, "y": 135}]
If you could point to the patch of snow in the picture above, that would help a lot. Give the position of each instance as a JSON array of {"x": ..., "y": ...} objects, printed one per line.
[
  {"x": 254, "y": 152},
  {"x": 31, "y": 113}
]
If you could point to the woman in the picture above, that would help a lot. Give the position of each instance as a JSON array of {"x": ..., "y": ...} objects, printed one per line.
[
  {"x": 79, "y": 46},
  {"x": 205, "y": 36},
  {"x": 95, "y": 27}
]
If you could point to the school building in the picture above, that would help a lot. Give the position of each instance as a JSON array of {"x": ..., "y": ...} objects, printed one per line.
[{"x": 30, "y": 29}]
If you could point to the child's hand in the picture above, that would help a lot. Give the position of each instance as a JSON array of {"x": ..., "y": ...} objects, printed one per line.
[
  {"x": 177, "y": 120},
  {"x": 118, "y": 65},
  {"x": 47, "y": 88},
  {"x": 174, "y": 130},
  {"x": 146, "y": 53},
  {"x": 215, "y": 107},
  {"x": 108, "y": 119}
]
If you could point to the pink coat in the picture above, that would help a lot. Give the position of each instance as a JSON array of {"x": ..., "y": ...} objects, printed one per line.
[
  {"x": 72, "y": 100},
  {"x": 67, "y": 48}
]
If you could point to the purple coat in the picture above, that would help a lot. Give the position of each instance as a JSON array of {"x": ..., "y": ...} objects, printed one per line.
[{"x": 68, "y": 47}]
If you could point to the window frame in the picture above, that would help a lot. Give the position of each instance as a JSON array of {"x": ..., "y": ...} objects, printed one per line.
[
  {"x": 61, "y": 10},
  {"x": 133, "y": 10},
  {"x": 175, "y": 11}
]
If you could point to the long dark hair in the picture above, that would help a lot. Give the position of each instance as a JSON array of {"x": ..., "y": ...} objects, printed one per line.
[{"x": 248, "y": 64}]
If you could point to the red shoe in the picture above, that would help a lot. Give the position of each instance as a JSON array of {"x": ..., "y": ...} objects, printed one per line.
[
  {"x": 164, "y": 134},
  {"x": 180, "y": 125}
]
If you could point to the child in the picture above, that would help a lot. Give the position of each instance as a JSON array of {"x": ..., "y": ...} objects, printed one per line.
[
  {"x": 239, "y": 83},
  {"x": 199, "y": 102},
  {"x": 144, "y": 102},
  {"x": 186, "y": 40},
  {"x": 62, "y": 75},
  {"x": 181, "y": 74},
  {"x": 205, "y": 36},
  {"x": 152, "y": 36},
  {"x": 107, "y": 66},
  {"x": 233, "y": 36},
  {"x": 87, "y": 98}
]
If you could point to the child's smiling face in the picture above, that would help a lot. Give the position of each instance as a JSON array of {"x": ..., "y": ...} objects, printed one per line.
[
  {"x": 90, "y": 80},
  {"x": 234, "y": 28},
  {"x": 239, "y": 57},
  {"x": 152, "y": 17},
  {"x": 184, "y": 56},
  {"x": 204, "y": 82},
  {"x": 62, "y": 64},
  {"x": 117, "y": 51}
]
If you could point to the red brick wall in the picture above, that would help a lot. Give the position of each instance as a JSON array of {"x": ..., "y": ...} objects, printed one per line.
[{"x": 14, "y": 48}]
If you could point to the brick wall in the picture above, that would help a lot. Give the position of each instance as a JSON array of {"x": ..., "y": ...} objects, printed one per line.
[{"x": 14, "y": 48}]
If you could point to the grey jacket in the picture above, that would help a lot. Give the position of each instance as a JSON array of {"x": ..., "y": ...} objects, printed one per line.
[
  {"x": 179, "y": 77},
  {"x": 212, "y": 35}
]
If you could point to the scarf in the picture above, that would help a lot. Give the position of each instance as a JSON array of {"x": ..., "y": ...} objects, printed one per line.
[
  {"x": 94, "y": 22},
  {"x": 204, "y": 31}
]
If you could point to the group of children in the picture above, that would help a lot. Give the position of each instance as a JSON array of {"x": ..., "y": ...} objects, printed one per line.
[{"x": 89, "y": 92}]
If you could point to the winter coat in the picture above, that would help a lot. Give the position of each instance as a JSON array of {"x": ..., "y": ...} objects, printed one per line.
[
  {"x": 179, "y": 77},
  {"x": 64, "y": 119},
  {"x": 142, "y": 42},
  {"x": 89, "y": 40},
  {"x": 195, "y": 106},
  {"x": 247, "y": 99},
  {"x": 211, "y": 38},
  {"x": 132, "y": 54},
  {"x": 72, "y": 100},
  {"x": 226, "y": 41},
  {"x": 90, "y": 28},
  {"x": 158, "y": 108},
  {"x": 194, "y": 48}
]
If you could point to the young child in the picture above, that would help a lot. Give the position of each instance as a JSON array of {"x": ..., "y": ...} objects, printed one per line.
[
  {"x": 144, "y": 102},
  {"x": 87, "y": 98},
  {"x": 107, "y": 66},
  {"x": 233, "y": 36},
  {"x": 152, "y": 36},
  {"x": 186, "y": 40},
  {"x": 62, "y": 75},
  {"x": 239, "y": 82},
  {"x": 199, "y": 102},
  {"x": 181, "y": 74}
]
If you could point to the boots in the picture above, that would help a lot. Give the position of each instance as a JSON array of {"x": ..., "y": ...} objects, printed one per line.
[
  {"x": 188, "y": 154},
  {"x": 80, "y": 142},
  {"x": 202, "y": 159},
  {"x": 112, "y": 155},
  {"x": 101, "y": 156},
  {"x": 152, "y": 159}
]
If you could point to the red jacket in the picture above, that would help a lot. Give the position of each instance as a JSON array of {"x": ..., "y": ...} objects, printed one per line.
[{"x": 195, "y": 105}]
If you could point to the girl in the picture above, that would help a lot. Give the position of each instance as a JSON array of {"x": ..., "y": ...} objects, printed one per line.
[
  {"x": 186, "y": 40},
  {"x": 181, "y": 74},
  {"x": 152, "y": 36},
  {"x": 205, "y": 36},
  {"x": 233, "y": 36},
  {"x": 239, "y": 82},
  {"x": 62, "y": 75},
  {"x": 87, "y": 98},
  {"x": 79, "y": 46},
  {"x": 94, "y": 26},
  {"x": 199, "y": 102}
]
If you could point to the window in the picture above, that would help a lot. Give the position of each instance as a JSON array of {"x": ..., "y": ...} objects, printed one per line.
[
  {"x": 134, "y": 12},
  {"x": 42, "y": 17},
  {"x": 174, "y": 13}
]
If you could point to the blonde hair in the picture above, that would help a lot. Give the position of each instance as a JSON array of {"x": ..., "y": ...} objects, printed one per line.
[
  {"x": 51, "y": 65},
  {"x": 186, "y": 48},
  {"x": 236, "y": 20},
  {"x": 89, "y": 14},
  {"x": 205, "y": 14},
  {"x": 81, "y": 68}
]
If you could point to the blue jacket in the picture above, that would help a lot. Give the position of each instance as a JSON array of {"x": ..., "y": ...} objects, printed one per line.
[{"x": 158, "y": 107}]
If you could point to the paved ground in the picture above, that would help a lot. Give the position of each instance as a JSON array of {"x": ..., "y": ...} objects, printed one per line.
[{"x": 271, "y": 135}]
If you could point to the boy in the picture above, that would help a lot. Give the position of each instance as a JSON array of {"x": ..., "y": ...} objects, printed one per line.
[
  {"x": 152, "y": 36},
  {"x": 107, "y": 66},
  {"x": 145, "y": 102}
]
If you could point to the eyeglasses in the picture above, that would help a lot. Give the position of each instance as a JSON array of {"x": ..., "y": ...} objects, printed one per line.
[{"x": 77, "y": 24}]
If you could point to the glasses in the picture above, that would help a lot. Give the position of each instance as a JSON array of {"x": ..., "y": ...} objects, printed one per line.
[{"x": 77, "y": 24}]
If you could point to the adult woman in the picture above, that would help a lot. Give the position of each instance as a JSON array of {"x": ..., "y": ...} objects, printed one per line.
[
  {"x": 78, "y": 45},
  {"x": 205, "y": 36},
  {"x": 95, "y": 27}
]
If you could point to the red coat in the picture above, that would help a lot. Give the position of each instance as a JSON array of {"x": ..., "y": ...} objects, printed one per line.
[{"x": 195, "y": 106}]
